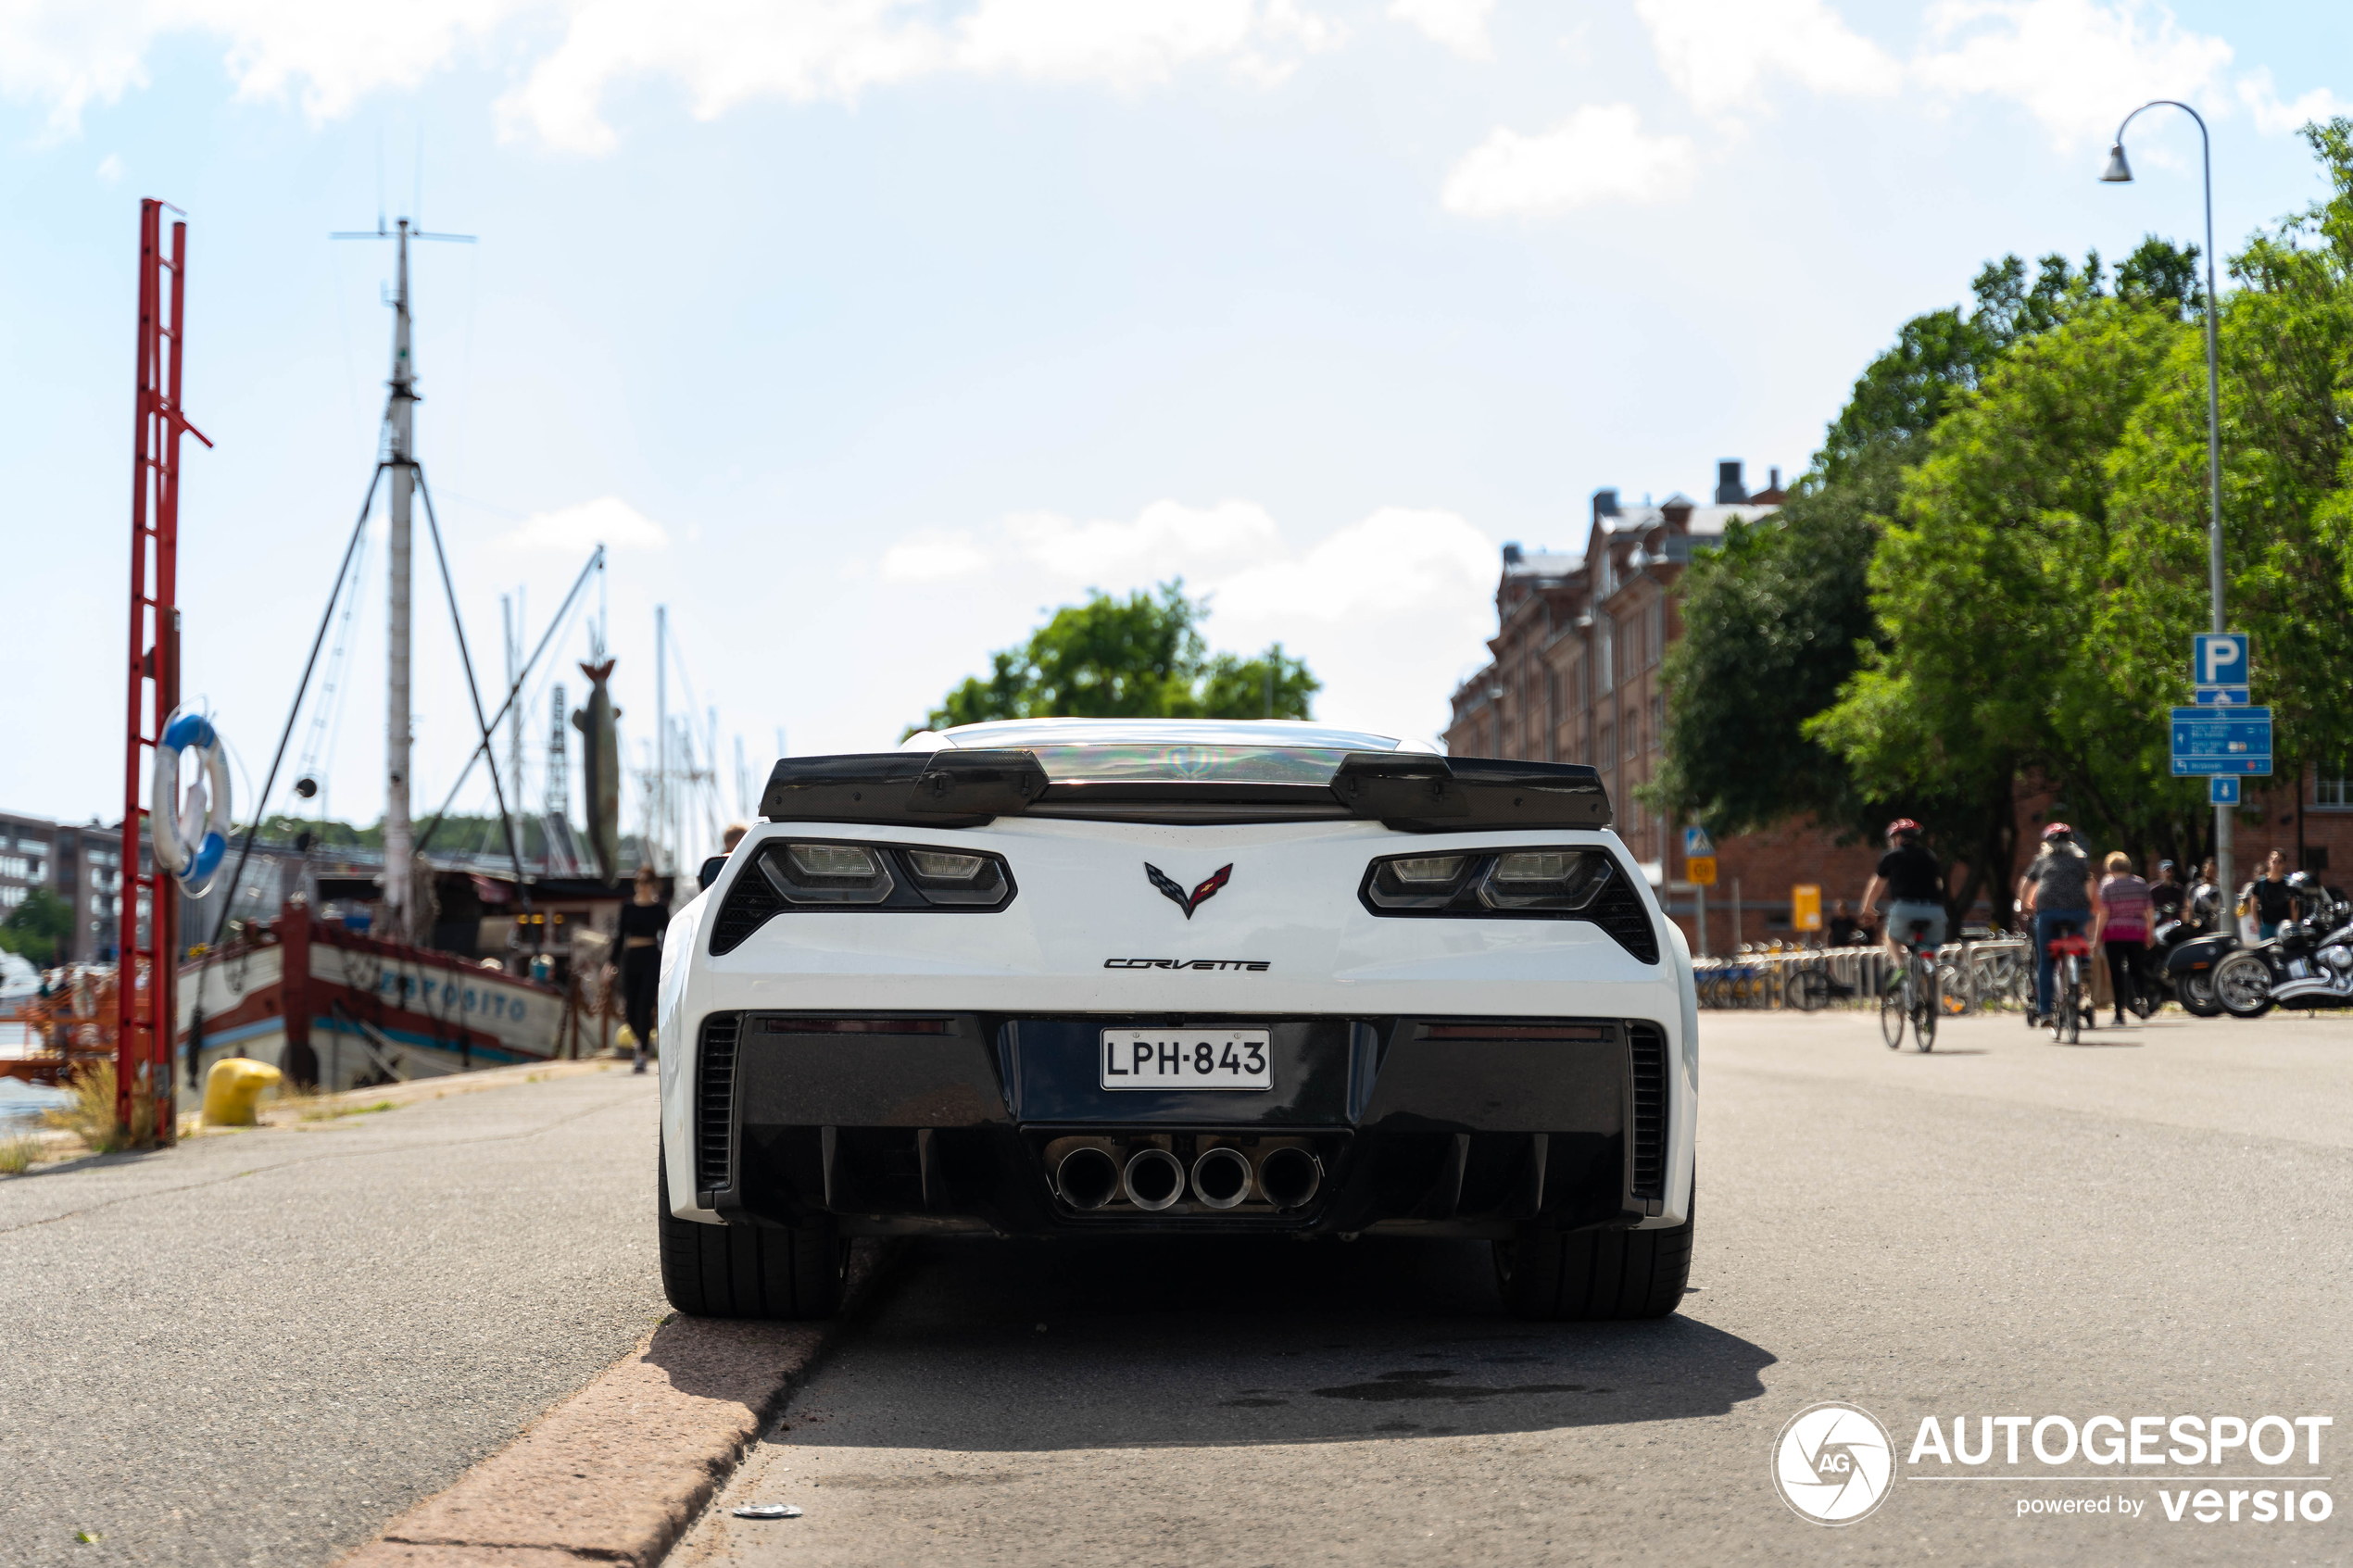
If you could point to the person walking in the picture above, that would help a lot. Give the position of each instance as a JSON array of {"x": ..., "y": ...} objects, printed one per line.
[
  {"x": 2166, "y": 895},
  {"x": 2268, "y": 898},
  {"x": 2057, "y": 891},
  {"x": 2122, "y": 928},
  {"x": 644, "y": 923}
]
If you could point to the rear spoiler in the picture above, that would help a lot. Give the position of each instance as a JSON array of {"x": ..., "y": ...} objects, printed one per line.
[{"x": 1411, "y": 791}]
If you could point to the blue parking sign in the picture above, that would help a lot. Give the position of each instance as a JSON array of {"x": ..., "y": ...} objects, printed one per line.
[
  {"x": 2221, "y": 791},
  {"x": 2218, "y": 658}
]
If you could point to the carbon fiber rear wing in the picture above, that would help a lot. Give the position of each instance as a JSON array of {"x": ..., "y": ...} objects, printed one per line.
[{"x": 1411, "y": 791}]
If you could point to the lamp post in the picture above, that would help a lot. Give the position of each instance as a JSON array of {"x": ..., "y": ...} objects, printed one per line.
[{"x": 2119, "y": 172}]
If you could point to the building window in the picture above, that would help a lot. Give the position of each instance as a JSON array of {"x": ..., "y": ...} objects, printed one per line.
[
  {"x": 16, "y": 866},
  {"x": 1609, "y": 738},
  {"x": 1654, "y": 632},
  {"x": 1658, "y": 721},
  {"x": 1633, "y": 733},
  {"x": 2333, "y": 786}
]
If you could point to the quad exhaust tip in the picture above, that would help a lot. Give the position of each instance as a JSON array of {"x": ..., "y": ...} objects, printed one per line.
[
  {"x": 1289, "y": 1177},
  {"x": 1088, "y": 1177},
  {"x": 1221, "y": 1177},
  {"x": 1156, "y": 1179}
]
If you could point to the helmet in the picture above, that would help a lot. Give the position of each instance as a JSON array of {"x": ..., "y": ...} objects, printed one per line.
[
  {"x": 1903, "y": 826},
  {"x": 2058, "y": 831},
  {"x": 2165, "y": 865}
]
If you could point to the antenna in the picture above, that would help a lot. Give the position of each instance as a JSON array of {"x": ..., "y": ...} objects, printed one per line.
[{"x": 380, "y": 180}]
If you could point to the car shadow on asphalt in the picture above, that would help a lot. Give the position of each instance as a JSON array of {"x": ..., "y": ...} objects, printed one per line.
[{"x": 1136, "y": 1343}]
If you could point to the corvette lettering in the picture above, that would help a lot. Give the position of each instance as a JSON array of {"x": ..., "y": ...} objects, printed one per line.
[{"x": 1254, "y": 966}]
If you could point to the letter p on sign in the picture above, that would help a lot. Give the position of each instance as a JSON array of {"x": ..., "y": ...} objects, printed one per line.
[{"x": 2218, "y": 659}]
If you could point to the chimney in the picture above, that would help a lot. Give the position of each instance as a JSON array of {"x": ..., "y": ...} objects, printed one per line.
[
  {"x": 1777, "y": 478},
  {"x": 1512, "y": 555},
  {"x": 1605, "y": 504},
  {"x": 1729, "y": 490}
]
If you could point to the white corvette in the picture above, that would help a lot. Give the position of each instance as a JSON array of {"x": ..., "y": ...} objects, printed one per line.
[{"x": 1094, "y": 977}]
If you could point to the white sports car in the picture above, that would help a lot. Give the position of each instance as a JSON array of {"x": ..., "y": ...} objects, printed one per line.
[{"x": 1113, "y": 977}]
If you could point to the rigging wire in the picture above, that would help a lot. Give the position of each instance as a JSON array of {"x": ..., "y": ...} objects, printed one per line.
[
  {"x": 466, "y": 658},
  {"x": 595, "y": 564},
  {"x": 261, "y": 801},
  {"x": 326, "y": 712}
]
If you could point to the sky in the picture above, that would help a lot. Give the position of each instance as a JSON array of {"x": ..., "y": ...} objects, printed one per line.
[{"x": 864, "y": 332}]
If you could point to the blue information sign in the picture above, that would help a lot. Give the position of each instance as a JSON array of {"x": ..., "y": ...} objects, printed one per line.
[
  {"x": 2222, "y": 791},
  {"x": 2221, "y": 740},
  {"x": 2222, "y": 696}
]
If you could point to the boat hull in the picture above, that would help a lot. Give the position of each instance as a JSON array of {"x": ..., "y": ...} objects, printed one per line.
[{"x": 360, "y": 1010}]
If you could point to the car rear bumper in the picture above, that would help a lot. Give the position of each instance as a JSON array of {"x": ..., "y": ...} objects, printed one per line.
[{"x": 921, "y": 1123}]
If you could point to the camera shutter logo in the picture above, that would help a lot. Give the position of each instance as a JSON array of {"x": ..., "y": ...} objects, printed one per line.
[{"x": 1833, "y": 1463}]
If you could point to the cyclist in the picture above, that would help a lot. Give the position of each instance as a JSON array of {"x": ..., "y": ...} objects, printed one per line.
[
  {"x": 2060, "y": 891},
  {"x": 1914, "y": 885}
]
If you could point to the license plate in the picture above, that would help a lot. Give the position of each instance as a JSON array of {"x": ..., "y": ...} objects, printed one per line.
[{"x": 1186, "y": 1058}]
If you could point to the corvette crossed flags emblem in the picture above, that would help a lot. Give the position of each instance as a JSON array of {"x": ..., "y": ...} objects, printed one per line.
[{"x": 1176, "y": 891}]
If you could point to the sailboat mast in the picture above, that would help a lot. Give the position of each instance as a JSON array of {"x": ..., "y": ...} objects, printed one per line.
[{"x": 401, "y": 903}]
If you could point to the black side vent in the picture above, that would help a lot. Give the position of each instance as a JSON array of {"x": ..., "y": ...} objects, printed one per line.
[
  {"x": 715, "y": 1100},
  {"x": 749, "y": 903},
  {"x": 1647, "y": 1071},
  {"x": 1619, "y": 911}
]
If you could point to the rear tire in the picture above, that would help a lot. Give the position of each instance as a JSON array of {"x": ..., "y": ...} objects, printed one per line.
[
  {"x": 1891, "y": 1016},
  {"x": 2195, "y": 991},
  {"x": 749, "y": 1271},
  {"x": 1595, "y": 1277}
]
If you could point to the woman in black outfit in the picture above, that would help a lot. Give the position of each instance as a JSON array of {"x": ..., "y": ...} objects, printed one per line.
[{"x": 643, "y": 921}]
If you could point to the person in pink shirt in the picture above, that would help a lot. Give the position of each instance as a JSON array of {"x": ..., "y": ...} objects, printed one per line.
[{"x": 2121, "y": 926}]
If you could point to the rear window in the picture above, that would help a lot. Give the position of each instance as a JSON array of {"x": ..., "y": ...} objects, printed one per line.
[{"x": 1136, "y": 762}]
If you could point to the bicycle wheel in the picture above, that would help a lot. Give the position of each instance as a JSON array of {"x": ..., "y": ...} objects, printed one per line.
[
  {"x": 1892, "y": 1013},
  {"x": 1927, "y": 1004},
  {"x": 1797, "y": 991}
]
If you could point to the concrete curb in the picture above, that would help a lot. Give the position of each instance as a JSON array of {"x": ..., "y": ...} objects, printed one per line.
[{"x": 617, "y": 1473}]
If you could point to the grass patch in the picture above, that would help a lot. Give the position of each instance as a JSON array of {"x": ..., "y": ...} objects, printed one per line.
[
  {"x": 328, "y": 1113},
  {"x": 17, "y": 1152},
  {"x": 90, "y": 1116}
]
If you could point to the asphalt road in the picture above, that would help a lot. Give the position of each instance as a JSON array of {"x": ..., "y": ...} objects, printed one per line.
[
  {"x": 257, "y": 1346},
  {"x": 2153, "y": 1224}
]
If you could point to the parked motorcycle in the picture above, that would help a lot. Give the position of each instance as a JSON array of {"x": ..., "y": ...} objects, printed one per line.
[
  {"x": 2248, "y": 981},
  {"x": 2189, "y": 966}
]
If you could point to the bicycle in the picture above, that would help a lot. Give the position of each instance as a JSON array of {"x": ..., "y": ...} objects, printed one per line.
[
  {"x": 1812, "y": 988},
  {"x": 1912, "y": 994},
  {"x": 2068, "y": 1016}
]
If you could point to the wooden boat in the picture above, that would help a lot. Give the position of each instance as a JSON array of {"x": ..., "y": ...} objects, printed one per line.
[{"x": 331, "y": 1007}]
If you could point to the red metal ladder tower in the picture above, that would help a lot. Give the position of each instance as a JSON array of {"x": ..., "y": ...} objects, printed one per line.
[{"x": 147, "y": 953}]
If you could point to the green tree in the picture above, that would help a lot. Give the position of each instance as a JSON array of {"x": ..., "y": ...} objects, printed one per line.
[
  {"x": 1140, "y": 656},
  {"x": 1988, "y": 588},
  {"x": 38, "y": 928},
  {"x": 2286, "y": 389}
]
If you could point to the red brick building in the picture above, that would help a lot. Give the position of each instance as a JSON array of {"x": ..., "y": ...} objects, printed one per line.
[{"x": 1576, "y": 678}]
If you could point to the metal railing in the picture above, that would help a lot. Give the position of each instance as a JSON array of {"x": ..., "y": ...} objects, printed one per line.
[{"x": 1980, "y": 975}]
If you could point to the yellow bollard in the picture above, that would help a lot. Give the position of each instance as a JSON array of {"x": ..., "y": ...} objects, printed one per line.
[{"x": 231, "y": 1088}]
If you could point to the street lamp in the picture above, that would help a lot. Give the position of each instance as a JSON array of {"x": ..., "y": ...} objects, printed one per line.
[{"x": 2119, "y": 172}]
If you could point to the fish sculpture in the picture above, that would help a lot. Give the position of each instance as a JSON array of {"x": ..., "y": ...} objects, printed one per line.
[{"x": 600, "y": 770}]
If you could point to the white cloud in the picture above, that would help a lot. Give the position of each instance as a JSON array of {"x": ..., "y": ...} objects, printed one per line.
[
  {"x": 110, "y": 168},
  {"x": 2272, "y": 117},
  {"x": 1166, "y": 539},
  {"x": 1394, "y": 562},
  {"x": 70, "y": 54},
  {"x": 934, "y": 557},
  {"x": 1716, "y": 52},
  {"x": 726, "y": 52},
  {"x": 1386, "y": 611},
  {"x": 1460, "y": 25},
  {"x": 2075, "y": 65},
  {"x": 607, "y": 520},
  {"x": 1598, "y": 154}
]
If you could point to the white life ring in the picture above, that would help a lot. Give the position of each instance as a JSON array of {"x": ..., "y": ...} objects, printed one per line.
[{"x": 192, "y": 834}]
